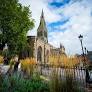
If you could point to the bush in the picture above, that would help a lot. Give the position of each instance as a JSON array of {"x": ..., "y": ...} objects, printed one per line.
[
  {"x": 1, "y": 80},
  {"x": 16, "y": 83}
]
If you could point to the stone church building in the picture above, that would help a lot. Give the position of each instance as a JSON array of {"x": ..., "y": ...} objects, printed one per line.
[{"x": 41, "y": 48}]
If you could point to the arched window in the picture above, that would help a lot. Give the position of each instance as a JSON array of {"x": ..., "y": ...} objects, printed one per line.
[
  {"x": 39, "y": 54},
  {"x": 47, "y": 56}
]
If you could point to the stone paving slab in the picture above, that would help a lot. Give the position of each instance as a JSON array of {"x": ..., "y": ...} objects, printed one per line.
[{"x": 4, "y": 68}]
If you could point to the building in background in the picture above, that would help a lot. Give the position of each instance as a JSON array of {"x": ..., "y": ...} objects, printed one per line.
[
  {"x": 58, "y": 51},
  {"x": 41, "y": 48},
  {"x": 89, "y": 57}
]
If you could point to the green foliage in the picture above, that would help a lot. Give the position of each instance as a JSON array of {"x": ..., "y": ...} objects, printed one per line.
[
  {"x": 15, "y": 22},
  {"x": 1, "y": 80},
  {"x": 16, "y": 83},
  {"x": 65, "y": 84},
  {"x": 55, "y": 83}
]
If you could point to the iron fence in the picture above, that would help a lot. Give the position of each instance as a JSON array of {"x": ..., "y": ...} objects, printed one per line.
[{"x": 77, "y": 73}]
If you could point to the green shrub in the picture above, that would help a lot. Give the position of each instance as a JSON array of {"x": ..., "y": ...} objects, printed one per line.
[
  {"x": 1, "y": 80},
  {"x": 16, "y": 83}
]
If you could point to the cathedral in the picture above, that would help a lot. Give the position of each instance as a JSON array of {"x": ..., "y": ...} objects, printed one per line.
[{"x": 41, "y": 48}]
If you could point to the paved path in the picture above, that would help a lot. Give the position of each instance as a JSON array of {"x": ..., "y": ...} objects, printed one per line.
[{"x": 4, "y": 68}]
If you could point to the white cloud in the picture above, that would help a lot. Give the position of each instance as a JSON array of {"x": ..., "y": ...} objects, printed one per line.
[
  {"x": 80, "y": 22},
  {"x": 36, "y": 7}
]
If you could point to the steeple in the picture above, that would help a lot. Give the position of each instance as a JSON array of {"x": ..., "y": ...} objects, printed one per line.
[
  {"x": 42, "y": 15},
  {"x": 42, "y": 30}
]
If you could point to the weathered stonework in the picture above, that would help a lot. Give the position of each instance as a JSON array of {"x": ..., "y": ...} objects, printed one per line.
[{"x": 42, "y": 49}]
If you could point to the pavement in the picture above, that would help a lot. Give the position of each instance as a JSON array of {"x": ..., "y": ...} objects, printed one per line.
[{"x": 4, "y": 68}]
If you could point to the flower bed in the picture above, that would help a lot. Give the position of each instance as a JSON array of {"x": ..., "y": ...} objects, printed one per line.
[{"x": 19, "y": 84}]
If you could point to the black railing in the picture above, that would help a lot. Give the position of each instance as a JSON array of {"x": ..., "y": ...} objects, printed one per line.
[{"x": 78, "y": 73}]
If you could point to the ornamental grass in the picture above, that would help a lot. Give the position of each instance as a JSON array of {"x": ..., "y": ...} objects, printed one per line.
[
  {"x": 64, "y": 84},
  {"x": 1, "y": 59},
  {"x": 28, "y": 65}
]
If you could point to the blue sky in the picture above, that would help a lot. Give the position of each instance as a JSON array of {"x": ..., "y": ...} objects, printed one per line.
[
  {"x": 58, "y": 3},
  {"x": 65, "y": 20}
]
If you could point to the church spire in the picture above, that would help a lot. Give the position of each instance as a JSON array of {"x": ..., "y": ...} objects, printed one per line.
[
  {"x": 42, "y": 15},
  {"x": 42, "y": 30}
]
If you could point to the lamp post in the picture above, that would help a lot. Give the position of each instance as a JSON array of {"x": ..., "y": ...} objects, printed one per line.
[
  {"x": 81, "y": 38},
  {"x": 85, "y": 50}
]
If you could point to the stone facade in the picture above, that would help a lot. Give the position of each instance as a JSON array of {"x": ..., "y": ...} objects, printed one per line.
[
  {"x": 89, "y": 57},
  {"x": 42, "y": 49}
]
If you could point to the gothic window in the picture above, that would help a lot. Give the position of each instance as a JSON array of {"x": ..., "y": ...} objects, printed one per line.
[
  {"x": 39, "y": 54},
  {"x": 47, "y": 55}
]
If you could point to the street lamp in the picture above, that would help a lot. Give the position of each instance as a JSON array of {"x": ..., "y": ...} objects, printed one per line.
[
  {"x": 81, "y": 38},
  {"x": 85, "y": 50}
]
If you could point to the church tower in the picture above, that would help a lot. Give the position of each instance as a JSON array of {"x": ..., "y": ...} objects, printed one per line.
[
  {"x": 42, "y": 30},
  {"x": 62, "y": 49}
]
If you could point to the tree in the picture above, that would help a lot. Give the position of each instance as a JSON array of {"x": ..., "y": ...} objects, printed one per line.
[{"x": 15, "y": 22}]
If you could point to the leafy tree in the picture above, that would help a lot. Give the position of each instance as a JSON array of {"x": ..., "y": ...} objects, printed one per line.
[{"x": 15, "y": 22}]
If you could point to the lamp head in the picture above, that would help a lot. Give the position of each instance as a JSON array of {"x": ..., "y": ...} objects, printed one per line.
[{"x": 80, "y": 37}]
